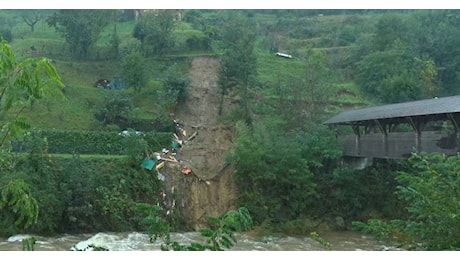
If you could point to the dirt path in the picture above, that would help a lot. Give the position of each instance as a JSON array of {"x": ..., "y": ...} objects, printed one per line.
[{"x": 209, "y": 189}]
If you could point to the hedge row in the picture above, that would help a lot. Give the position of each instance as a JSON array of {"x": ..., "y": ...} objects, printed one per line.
[{"x": 91, "y": 142}]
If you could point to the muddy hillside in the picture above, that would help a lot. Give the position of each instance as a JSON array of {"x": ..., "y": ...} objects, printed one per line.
[{"x": 200, "y": 183}]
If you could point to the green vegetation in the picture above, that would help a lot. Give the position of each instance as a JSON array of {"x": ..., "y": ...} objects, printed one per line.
[
  {"x": 238, "y": 64},
  {"x": 72, "y": 194},
  {"x": 430, "y": 186},
  {"x": 287, "y": 163},
  {"x": 218, "y": 237},
  {"x": 21, "y": 85},
  {"x": 80, "y": 28},
  {"x": 28, "y": 244},
  {"x": 79, "y": 77}
]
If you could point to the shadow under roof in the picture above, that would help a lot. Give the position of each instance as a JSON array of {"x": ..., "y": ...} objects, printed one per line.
[{"x": 432, "y": 106}]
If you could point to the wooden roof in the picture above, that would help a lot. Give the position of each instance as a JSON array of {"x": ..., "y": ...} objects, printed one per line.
[{"x": 432, "y": 106}]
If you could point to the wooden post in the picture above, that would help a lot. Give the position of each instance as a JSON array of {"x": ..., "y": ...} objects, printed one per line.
[
  {"x": 383, "y": 130},
  {"x": 457, "y": 130},
  {"x": 416, "y": 126},
  {"x": 357, "y": 139}
]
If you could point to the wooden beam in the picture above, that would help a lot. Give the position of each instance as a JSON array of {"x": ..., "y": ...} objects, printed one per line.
[
  {"x": 169, "y": 160},
  {"x": 192, "y": 136},
  {"x": 355, "y": 128},
  {"x": 412, "y": 123},
  {"x": 160, "y": 165},
  {"x": 454, "y": 122},
  {"x": 381, "y": 127}
]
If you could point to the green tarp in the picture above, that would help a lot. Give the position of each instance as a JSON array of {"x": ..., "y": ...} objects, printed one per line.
[
  {"x": 148, "y": 164},
  {"x": 175, "y": 145}
]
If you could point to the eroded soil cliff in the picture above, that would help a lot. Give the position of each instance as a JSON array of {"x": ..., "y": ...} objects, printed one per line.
[{"x": 209, "y": 189}]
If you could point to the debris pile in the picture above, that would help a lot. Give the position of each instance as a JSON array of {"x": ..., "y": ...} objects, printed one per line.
[{"x": 157, "y": 160}]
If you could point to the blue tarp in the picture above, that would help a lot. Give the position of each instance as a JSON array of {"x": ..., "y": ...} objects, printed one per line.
[{"x": 118, "y": 83}]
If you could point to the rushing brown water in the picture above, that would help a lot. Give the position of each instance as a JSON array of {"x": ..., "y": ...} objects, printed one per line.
[{"x": 339, "y": 241}]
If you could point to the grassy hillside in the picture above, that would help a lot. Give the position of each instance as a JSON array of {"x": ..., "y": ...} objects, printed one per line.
[{"x": 83, "y": 99}]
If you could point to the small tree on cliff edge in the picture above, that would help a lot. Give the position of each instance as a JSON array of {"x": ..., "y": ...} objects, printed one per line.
[{"x": 238, "y": 68}]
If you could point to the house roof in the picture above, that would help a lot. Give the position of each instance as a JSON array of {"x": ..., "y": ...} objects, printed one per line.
[{"x": 432, "y": 106}]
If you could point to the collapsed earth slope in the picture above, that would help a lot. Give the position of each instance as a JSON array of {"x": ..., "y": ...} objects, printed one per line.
[{"x": 207, "y": 189}]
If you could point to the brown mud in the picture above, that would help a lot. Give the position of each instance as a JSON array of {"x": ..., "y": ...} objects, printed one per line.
[{"x": 209, "y": 190}]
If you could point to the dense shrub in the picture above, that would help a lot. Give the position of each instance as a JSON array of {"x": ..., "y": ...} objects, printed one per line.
[
  {"x": 359, "y": 194},
  {"x": 77, "y": 194},
  {"x": 275, "y": 171},
  {"x": 90, "y": 142},
  {"x": 430, "y": 186}
]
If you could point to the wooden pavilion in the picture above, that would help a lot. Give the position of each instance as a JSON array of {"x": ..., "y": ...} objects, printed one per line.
[{"x": 395, "y": 131}]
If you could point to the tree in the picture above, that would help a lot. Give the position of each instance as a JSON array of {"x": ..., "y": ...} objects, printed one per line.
[
  {"x": 32, "y": 17},
  {"x": 389, "y": 29},
  {"x": 430, "y": 186},
  {"x": 434, "y": 35},
  {"x": 80, "y": 28},
  {"x": 20, "y": 84},
  {"x": 396, "y": 75},
  {"x": 117, "y": 109},
  {"x": 154, "y": 31},
  {"x": 301, "y": 92},
  {"x": 238, "y": 68},
  {"x": 134, "y": 71},
  {"x": 115, "y": 39},
  {"x": 314, "y": 92},
  {"x": 432, "y": 189},
  {"x": 172, "y": 90},
  {"x": 128, "y": 15},
  {"x": 409, "y": 57},
  {"x": 269, "y": 156}
]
